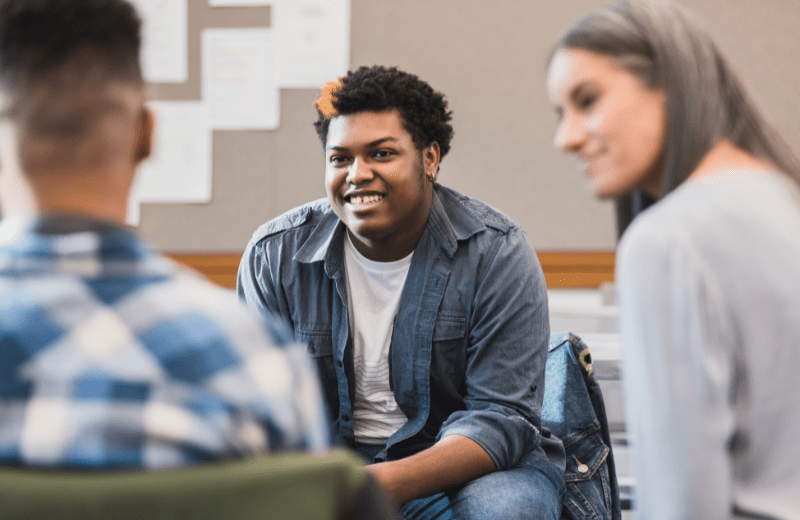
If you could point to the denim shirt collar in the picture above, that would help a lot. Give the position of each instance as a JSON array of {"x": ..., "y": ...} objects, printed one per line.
[
  {"x": 325, "y": 243},
  {"x": 448, "y": 222}
]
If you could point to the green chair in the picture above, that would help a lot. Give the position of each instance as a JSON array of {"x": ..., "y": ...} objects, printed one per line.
[{"x": 298, "y": 486}]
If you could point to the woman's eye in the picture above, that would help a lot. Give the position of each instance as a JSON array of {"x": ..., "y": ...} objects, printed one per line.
[
  {"x": 587, "y": 101},
  {"x": 336, "y": 160},
  {"x": 382, "y": 154}
]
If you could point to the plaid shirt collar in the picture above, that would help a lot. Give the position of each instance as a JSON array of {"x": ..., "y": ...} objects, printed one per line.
[{"x": 76, "y": 244}]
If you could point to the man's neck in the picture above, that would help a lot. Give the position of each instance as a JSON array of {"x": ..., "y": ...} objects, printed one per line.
[
  {"x": 63, "y": 224},
  {"x": 97, "y": 195},
  {"x": 99, "y": 209}
]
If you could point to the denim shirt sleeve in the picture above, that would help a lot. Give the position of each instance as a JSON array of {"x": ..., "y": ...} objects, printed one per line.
[
  {"x": 506, "y": 352},
  {"x": 254, "y": 282}
]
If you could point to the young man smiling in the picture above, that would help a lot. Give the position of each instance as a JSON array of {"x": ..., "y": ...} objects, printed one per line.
[{"x": 425, "y": 310}]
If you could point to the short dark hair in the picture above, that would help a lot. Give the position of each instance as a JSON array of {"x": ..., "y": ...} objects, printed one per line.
[
  {"x": 376, "y": 89},
  {"x": 39, "y": 36},
  {"x": 59, "y": 60}
]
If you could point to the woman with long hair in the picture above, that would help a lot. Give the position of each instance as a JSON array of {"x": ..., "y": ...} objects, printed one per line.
[{"x": 708, "y": 277}]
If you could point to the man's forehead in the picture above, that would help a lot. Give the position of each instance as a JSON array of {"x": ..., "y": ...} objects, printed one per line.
[{"x": 367, "y": 126}]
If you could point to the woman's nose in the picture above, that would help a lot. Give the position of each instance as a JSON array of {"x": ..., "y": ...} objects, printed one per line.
[{"x": 570, "y": 134}]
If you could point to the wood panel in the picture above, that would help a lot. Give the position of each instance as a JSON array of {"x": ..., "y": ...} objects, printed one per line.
[
  {"x": 579, "y": 270},
  {"x": 585, "y": 270},
  {"x": 220, "y": 268}
]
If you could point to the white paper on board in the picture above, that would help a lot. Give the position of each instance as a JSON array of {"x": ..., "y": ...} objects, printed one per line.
[
  {"x": 238, "y": 3},
  {"x": 313, "y": 41},
  {"x": 239, "y": 82},
  {"x": 164, "y": 40},
  {"x": 179, "y": 169}
]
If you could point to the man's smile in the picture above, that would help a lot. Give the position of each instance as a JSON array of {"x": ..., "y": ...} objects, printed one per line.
[{"x": 363, "y": 200}]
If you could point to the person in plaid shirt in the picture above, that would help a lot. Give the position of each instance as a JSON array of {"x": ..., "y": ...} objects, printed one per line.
[{"x": 112, "y": 356}]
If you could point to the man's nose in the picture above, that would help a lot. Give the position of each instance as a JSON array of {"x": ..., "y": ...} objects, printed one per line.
[{"x": 359, "y": 171}]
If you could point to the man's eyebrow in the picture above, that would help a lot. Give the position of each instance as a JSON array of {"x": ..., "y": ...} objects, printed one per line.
[{"x": 371, "y": 144}]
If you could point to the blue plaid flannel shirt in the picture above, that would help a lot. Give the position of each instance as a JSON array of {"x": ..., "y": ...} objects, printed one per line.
[{"x": 112, "y": 356}]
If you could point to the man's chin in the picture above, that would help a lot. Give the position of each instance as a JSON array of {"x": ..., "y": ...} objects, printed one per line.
[{"x": 365, "y": 233}]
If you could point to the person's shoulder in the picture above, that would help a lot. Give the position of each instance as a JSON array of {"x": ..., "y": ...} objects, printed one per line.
[
  {"x": 306, "y": 216},
  {"x": 220, "y": 309},
  {"x": 657, "y": 230},
  {"x": 463, "y": 208},
  {"x": 704, "y": 213},
  {"x": 706, "y": 217}
]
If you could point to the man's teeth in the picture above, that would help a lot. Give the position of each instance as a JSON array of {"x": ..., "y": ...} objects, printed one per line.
[{"x": 365, "y": 199}]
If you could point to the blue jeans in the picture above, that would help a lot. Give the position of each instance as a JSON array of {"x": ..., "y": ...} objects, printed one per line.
[{"x": 532, "y": 489}]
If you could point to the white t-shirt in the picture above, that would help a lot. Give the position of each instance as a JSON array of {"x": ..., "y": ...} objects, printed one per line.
[
  {"x": 709, "y": 281},
  {"x": 374, "y": 290}
]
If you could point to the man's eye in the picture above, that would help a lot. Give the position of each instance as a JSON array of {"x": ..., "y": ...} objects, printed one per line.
[{"x": 382, "y": 154}]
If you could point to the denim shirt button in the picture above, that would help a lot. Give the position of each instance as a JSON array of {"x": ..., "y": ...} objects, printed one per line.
[
  {"x": 339, "y": 364},
  {"x": 583, "y": 468},
  {"x": 345, "y": 417}
]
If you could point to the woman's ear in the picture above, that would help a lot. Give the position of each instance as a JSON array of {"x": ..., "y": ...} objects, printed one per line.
[
  {"x": 430, "y": 160},
  {"x": 145, "y": 142}
]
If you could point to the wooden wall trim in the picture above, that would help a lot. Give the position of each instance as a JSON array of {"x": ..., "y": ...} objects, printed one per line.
[
  {"x": 220, "y": 268},
  {"x": 579, "y": 270},
  {"x": 562, "y": 269}
]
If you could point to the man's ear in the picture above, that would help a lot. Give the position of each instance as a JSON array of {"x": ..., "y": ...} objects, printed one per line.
[
  {"x": 144, "y": 145},
  {"x": 430, "y": 160}
]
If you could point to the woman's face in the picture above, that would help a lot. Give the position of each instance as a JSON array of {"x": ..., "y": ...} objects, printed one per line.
[{"x": 610, "y": 119}]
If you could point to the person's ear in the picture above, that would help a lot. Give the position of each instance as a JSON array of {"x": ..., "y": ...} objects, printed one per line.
[
  {"x": 430, "y": 160},
  {"x": 144, "y": 145}
]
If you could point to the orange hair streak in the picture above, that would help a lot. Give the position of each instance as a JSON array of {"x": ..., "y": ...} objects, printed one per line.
[{"x": 324, "y": 102}]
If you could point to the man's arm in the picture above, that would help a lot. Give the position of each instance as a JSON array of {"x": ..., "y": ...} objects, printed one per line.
[
  {"x": 506, "y": 353},
  {"x": 452, "y": 461},
  {"x": 508, "y": 335}
]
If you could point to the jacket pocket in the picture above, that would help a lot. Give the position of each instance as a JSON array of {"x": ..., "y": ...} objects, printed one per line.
[
  {"x": 448, "y": 328},
  {"x": 588, "y": 488},
  {"x": 319, "y": 345},
  {"x": 448, "y": 356}
]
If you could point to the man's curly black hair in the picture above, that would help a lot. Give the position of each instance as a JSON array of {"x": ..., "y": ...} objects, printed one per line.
[{"x": 376, "y": 89}]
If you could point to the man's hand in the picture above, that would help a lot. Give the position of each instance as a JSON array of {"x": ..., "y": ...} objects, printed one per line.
[{"x": 453, "y": 461}]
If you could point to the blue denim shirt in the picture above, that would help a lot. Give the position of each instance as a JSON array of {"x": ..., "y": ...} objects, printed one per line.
[{"x": 470, "y": 338}]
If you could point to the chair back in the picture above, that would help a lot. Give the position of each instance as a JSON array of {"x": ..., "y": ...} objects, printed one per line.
[{"x": 297, "y": 486}]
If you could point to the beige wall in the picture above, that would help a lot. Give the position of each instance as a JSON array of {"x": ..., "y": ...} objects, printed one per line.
[{"x": 489, "y": 58}]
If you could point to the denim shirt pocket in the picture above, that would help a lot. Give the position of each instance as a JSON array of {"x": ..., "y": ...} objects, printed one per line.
[
  {"x": 319, "y": 344},
  {"x": 448, "y": 355},
  {"x": 586, "y": 476}
]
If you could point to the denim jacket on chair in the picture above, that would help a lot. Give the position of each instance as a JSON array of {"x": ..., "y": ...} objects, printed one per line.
[{"x": 574, "y": 411}]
